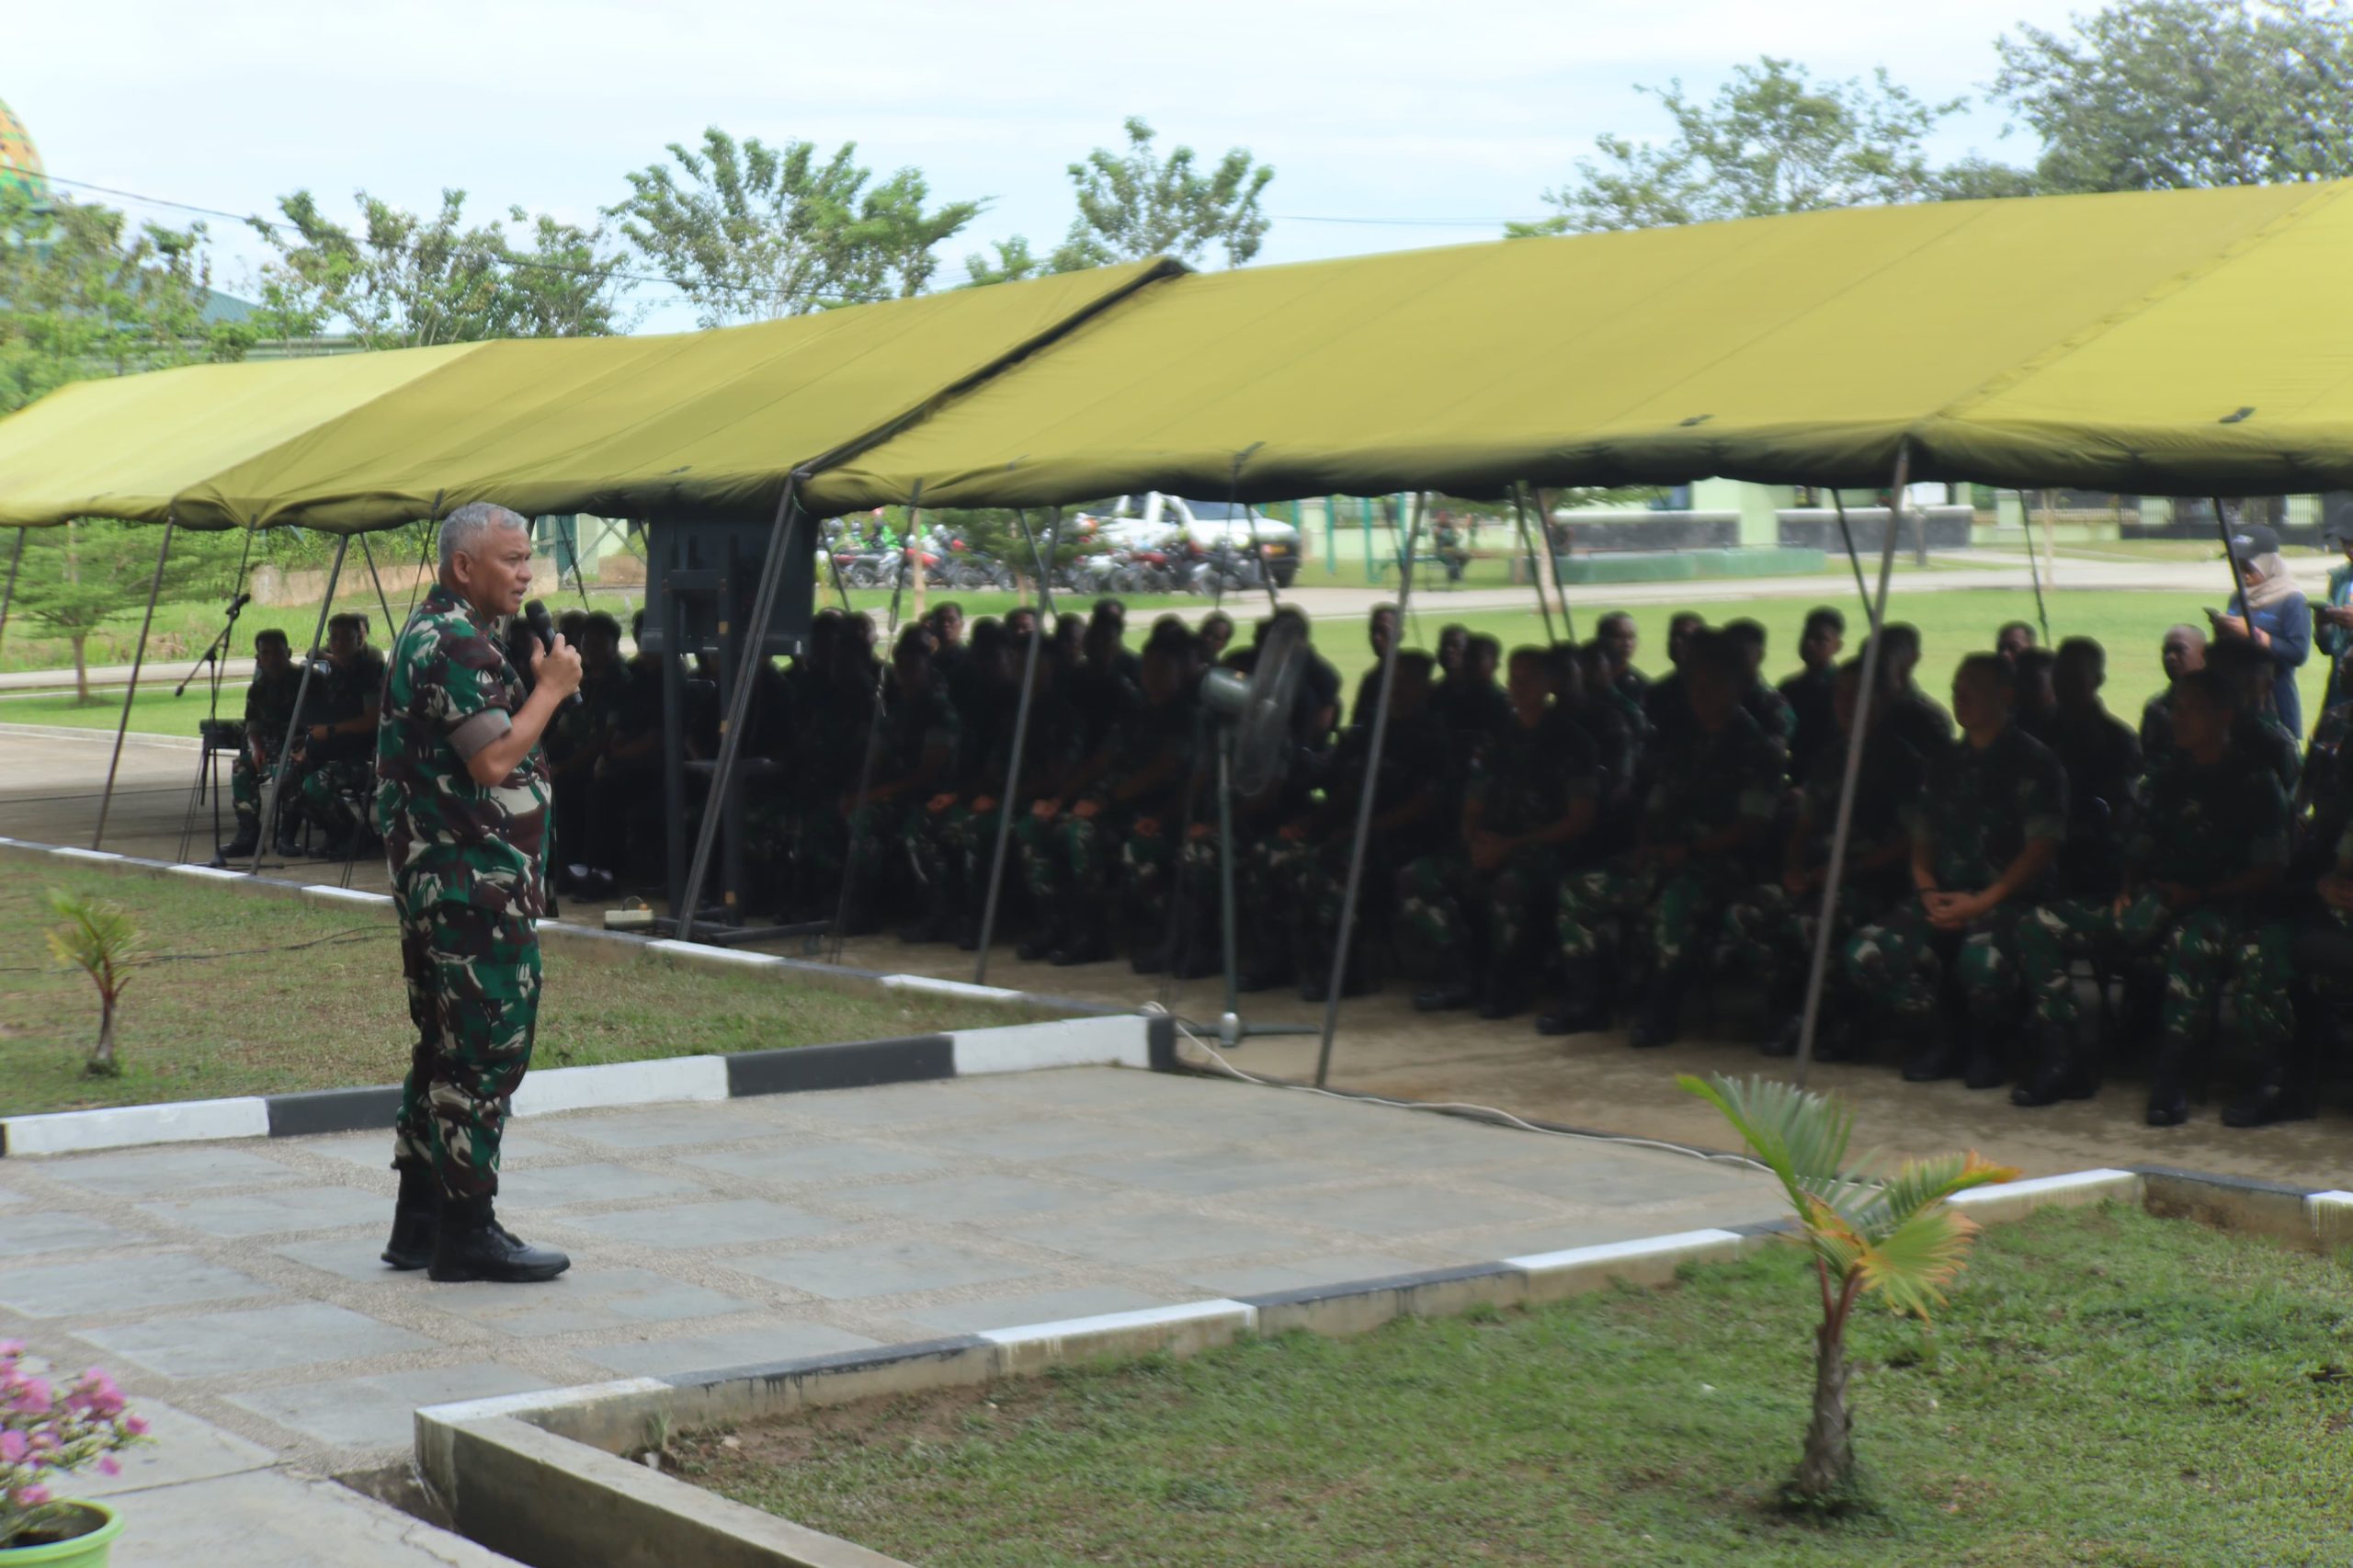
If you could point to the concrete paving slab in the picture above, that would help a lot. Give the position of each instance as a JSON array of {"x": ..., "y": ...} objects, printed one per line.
[
  {"x": 1391, "y": 1209},
  {"x": 779, "y": 1341},
  {"x": 1299, "y": 1274},
  {"x": 374, "y": 1413},
  {"x": 803, "y": 1165},
  {"x": 977, "y": 1198},
  {"x": 166, "y": 1173},
  {"x": 1168, "y": 1238},
  {"x": 358, "y": 1258},
  {"x": 730, "y": 1223},
  {"x": 584, "y": 1299},
  {"x": 185, "y": 1448},
  {"x": 520, "y": 1146},
  {"x": 669, "y": 1127},
  {"x": 262, "y": 1214},
  {"x": 264, "y": 1339},
  {"x": 1584, "y": 1184},
  {"x": 1013, "y": 1311},
  {"x": 1041, "y": 1138},
  {"x": 271, "y": 1518},
  {"x": 27, "y": 1235},
  {"x": 553, "y": 1186},
  {"x": 1218, "y": 1170},
  {"x": 885, "y": 1107},
  {"x": 883, "y": 1268},
  {"x": 94, "y": 1286}
]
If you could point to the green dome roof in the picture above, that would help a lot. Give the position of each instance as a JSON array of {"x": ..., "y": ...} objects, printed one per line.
[{"x": 20, "y": 166}]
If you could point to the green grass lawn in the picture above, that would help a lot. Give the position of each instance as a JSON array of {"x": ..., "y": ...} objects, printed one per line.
[
  {"x": 2105, "y": 1388},
  {"x": 267, "y": 996}
]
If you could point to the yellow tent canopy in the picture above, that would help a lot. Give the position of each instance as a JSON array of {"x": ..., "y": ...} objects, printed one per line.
[
  {"x": 2168, "y": 343},
  {"x": 124, "y": 448},
  {"x": 709, "y": 423}
]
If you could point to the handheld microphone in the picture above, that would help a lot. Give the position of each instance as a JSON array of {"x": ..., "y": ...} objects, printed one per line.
[{"x": 535, "y": 615}]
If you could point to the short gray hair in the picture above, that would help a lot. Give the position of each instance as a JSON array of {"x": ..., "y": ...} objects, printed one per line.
[{"x": 462, "y": 528}]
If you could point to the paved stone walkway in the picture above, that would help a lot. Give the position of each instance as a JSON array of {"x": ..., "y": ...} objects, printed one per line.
[{"x": 238, "y": 1285}]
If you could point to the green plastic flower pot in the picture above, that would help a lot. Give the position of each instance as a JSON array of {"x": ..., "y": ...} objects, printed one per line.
[{"x": 88, "y": 1550}]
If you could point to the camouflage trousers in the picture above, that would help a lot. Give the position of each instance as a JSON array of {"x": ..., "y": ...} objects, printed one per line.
[
  {"x": 1669, "y": 918},
  {"x": 1462, "y": 917},
  {"x": 1768, "y": 932},
  {"x": 953, "y": 850},
  {"x": 1077, "y": 868},
  {"x": 245, "y": 781},
  {"x": 1902, "y": 962},
  {"x": 326, "y": 789},
  {"x": 867, "y": 850},
  {"x": 1293, "y": 891},
  {"x": 2205, "y": 949},
  {"x": 474, "y": 994}
]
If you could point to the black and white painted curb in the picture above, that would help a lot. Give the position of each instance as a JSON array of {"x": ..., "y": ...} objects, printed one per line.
[{"x": 1101, "y": 1037}]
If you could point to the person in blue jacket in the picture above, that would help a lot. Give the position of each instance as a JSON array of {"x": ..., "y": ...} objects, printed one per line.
[
  {"x": 2333, "y": 628},
  {"x": 2270, "y": 612}
]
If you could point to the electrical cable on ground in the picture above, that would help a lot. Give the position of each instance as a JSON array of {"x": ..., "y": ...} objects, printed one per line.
[
  {"x": 141, "y": 961},
  {"x": 1504, "y": 1117}
]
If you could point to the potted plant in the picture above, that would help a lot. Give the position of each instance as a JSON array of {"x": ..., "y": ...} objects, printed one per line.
[{"x": 47, "y": 1432}]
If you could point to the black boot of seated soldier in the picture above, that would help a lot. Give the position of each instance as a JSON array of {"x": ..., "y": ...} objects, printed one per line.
[
  {"x": 1583, "y": 1007},
  {"x": 1987, "y": 1064},
  {"x": 1660, "y": 1016},
  {"x": 2062, "y": 1071},
  {"x": 2168, "y": 1083},
  {"x": 474, "y": 1245},
  {"x": 1785, "y": 1006},
  {"x": 1941, "y": 1055},
  {"x": 416, "y": 1217}
]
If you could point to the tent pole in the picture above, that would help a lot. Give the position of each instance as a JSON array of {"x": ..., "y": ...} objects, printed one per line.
[
  {"x": 1527, "y": 548},
  {"x": 130, "y": 692},
  {"x": 368, "y": 554},
  {"x": 1257, "y": 545},
  {"x": 1007, "y": 801},
  {"x": 1045, "y": 564},
  {"x": 425, "y": 558},
  {"x": 8, "y": 594},
  {"x": 1544, "y": 527},
  {"x": 739, "y": 702},
  {"x": 873, "y": 730},
  {"x": 1819, "y": 968},
  {"x": 302, "y": 691},
  {"x": 2033, "y": 569},
  {"x": 1846, "y": 533},
  {"x": 1365, "y": 804},
  {"x": 2238, "y": 567}
]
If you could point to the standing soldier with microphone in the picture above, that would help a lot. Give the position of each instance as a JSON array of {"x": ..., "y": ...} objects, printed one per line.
[{"x": 462, "y": 803}]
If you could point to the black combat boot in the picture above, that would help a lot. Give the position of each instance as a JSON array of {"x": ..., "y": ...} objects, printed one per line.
[
  {"x": 1940, "y": 1056},
  {"x": 2275, "y": 1097},
  {"x": 2061, "y": 1070},
  {"x": 248, "y": 840},
  {"x": 474, "y": 1245},
  {"x": 1582, "y": 1008},
  {"x": 1447, "y": 997},
  {"x": 1661, "y": 1015},
  {"x": 1040, "y": 944},
  {"x": 416, "y": 1218},
  {"x": 2168, "y": 1092}
]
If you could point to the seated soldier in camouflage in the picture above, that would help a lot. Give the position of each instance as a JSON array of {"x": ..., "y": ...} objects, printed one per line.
[
  {"x": 335, "y": 757},
  {"x": 577, "y": 740},
  {"x": 1085, "y": 877},
  {"x": 1471, "y": 703},
  {"x": 1913, "y": 715},
  {"x": 1810, "y": 691},
  {"x": 1715, "y": 790},
  {"x": 1769, "y": 930},
  {"x": 2102, "y": 758},
  {"x": 1985, "y": 838},
  {"x": 1762, "y": 699},
  {"x": 1664, "y": 706},
  {"x": 1409, "y": 821},
  {"x": 270, "y": 713},
  {"x": 2286, "y": 1087},
  {"x": 2248, "y": 676},
  {"x": 915, "y": 747},
  {"x": 2210, "y": 843},
  {"x": 2182, "y": 651},
  {"x": 1478, "y": 909},
  {"x": 1619, "y": 638},
  {"x": 2037, "y": 711}
]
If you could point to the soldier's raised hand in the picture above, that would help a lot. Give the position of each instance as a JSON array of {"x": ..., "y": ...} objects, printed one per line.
[{"x": 556, "y": 668}]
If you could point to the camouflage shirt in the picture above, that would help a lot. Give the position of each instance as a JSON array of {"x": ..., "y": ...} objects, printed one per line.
[
  {"x": 1983, "y": 805},
  {"x": 1705, "y": 783},
  {"x": 269, "y": 707},
  {"x": 1528, "y": 778},
  {"x": 1886, "y": 791},
  {"x": 447, "y": 839},
  {"x": 2202, "y": 825}
]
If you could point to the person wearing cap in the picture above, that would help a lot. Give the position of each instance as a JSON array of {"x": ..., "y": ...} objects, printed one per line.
[
  {"x": 2333, "y": 621},
  {"x": 2269, "y": 613}
]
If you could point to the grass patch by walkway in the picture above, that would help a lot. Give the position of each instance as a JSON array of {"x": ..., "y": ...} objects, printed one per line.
[
  {"x": 275, "y": 996},
  {"x": 2105, "y": 1388}
]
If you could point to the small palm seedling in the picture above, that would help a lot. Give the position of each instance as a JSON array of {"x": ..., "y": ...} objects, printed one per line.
[
  {"x": 1897, "y": 1237},
  {"x": 98, "y": 939}
]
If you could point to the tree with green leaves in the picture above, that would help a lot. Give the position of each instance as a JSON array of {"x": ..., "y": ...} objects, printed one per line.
[
  {"x": 98, "y": 938},
  {"x": 90, "y": 294},
  {"x": 1772, "y": 139},
  {"x": 2157, "y": 94},
  {"x": 1133, "y": 203},
  {"x": 403, "y": 280},
  {"x": 1896, "y": 1238},
  {"x": 76, "y": 576},
  {"x": 751, "y": 231}
]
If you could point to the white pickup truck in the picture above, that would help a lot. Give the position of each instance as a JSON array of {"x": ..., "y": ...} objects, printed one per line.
[{"x": 1136, "y": 522}]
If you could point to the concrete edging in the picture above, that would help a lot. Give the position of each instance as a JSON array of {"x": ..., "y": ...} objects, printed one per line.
[
  {"x": 1095, "y": 1036},
  {"x": 540, "y": 1476}
]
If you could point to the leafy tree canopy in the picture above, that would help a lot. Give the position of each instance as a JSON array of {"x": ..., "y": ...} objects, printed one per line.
[
  {"x": 1135, "y": 203},
  {"x": 2157, "y": 94},
  {"x": 403, "y": 280},
  {"x": 750, "y": 232}
]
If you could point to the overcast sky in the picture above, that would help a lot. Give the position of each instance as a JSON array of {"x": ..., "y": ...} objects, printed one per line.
[{"x": 1427, "y": 120}]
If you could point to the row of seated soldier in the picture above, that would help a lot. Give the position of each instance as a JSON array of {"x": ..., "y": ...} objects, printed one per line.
[{"x": 1554, "y": 834}]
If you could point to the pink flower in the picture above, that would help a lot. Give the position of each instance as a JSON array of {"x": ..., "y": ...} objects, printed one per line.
[
  {"x": 106, "y": 1465},
  {"x": 31, "y": 1496},
  {"x": 134, "y": 1424},
  {"x": 12, "y": 1446}
]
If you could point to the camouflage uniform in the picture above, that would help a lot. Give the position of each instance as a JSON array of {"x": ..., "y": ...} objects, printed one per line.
[
  {"x": 1078, "y": 867},
  {"x": 269, "y": 712},
  {"x": 2194, "y": 826},
  {"x": 955, "y": 847},
  {"x": 1774, "y": 714},
  {"x": 2102, "y": 758},
  {"x": 336, "y": 770},
  {"x": 1812, "y": 695},
  {"x": 2157, "y": 730},
  {"x": 1704, "y": 784},
  {"x": 468, "y": 882},
  {"x": 1301, "y": 888},
  {"x": 577, "y": 737},
  {"x": 2264, "y": 737},
  {"x": 1465, "y": 920},
  {"x": 870, "y": 843},
  {"x": 1981, "y": 807}
]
